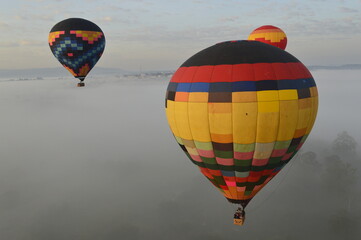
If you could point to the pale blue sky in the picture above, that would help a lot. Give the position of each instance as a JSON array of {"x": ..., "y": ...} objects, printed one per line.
[{"x": 162, "y": 34}]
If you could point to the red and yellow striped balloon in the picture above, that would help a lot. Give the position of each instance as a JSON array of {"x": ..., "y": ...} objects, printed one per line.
[{"x": 271, "y": 35}]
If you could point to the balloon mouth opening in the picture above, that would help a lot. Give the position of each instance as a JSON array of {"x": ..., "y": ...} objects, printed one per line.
[
  {"x": 81, "y": 78},
  {"x": 243, "y": 203}
]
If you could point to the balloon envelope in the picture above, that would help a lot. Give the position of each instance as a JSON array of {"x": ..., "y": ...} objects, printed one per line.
[
  {"x": 240, "y": 111},
  {"x": 77, "y": 44},
  {"x": 271, "y": 35}
]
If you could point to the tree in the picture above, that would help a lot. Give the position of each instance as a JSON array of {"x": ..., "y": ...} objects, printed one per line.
[
  {"x": 344, "y": 144},
  {"x": 309, "y": 161},
  {"x": 338, "y": 175}
]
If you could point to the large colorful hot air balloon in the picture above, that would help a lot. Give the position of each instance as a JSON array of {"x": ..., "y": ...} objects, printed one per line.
[
  {"x": 271, "y": 35},
  {"x": 240, "y": 110},
  {"x": 77, "y": 44}
]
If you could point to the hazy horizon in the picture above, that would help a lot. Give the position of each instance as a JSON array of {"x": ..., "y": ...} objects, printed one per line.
[{"x": 60, "y": 72}]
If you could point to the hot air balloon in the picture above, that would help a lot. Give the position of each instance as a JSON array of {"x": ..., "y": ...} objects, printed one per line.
[
  {"x": 271, "y": 35},
  {"x": 77, "y": 44},
  {"x": 240, "y": 110}
]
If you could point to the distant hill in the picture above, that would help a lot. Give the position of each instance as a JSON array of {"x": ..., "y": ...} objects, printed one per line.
[
  {"x": 56, "y": 72},
  {"x": 341, "y": 67},
  {"x": 39, "y": 73}
]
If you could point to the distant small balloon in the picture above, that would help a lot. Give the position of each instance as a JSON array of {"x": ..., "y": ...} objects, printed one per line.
[
  {"x": 78, "y": 44},
  {"x": 271, "y": 35}
]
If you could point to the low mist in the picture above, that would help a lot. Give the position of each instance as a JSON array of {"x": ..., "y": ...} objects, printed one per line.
[{"x": 100, "y": 163}]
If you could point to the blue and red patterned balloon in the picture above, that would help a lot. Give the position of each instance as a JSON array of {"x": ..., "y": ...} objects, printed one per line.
[{"x": 78, "y": 44}]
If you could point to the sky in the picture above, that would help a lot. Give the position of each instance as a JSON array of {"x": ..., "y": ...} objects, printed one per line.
[{"x": 162, "y": 34}]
